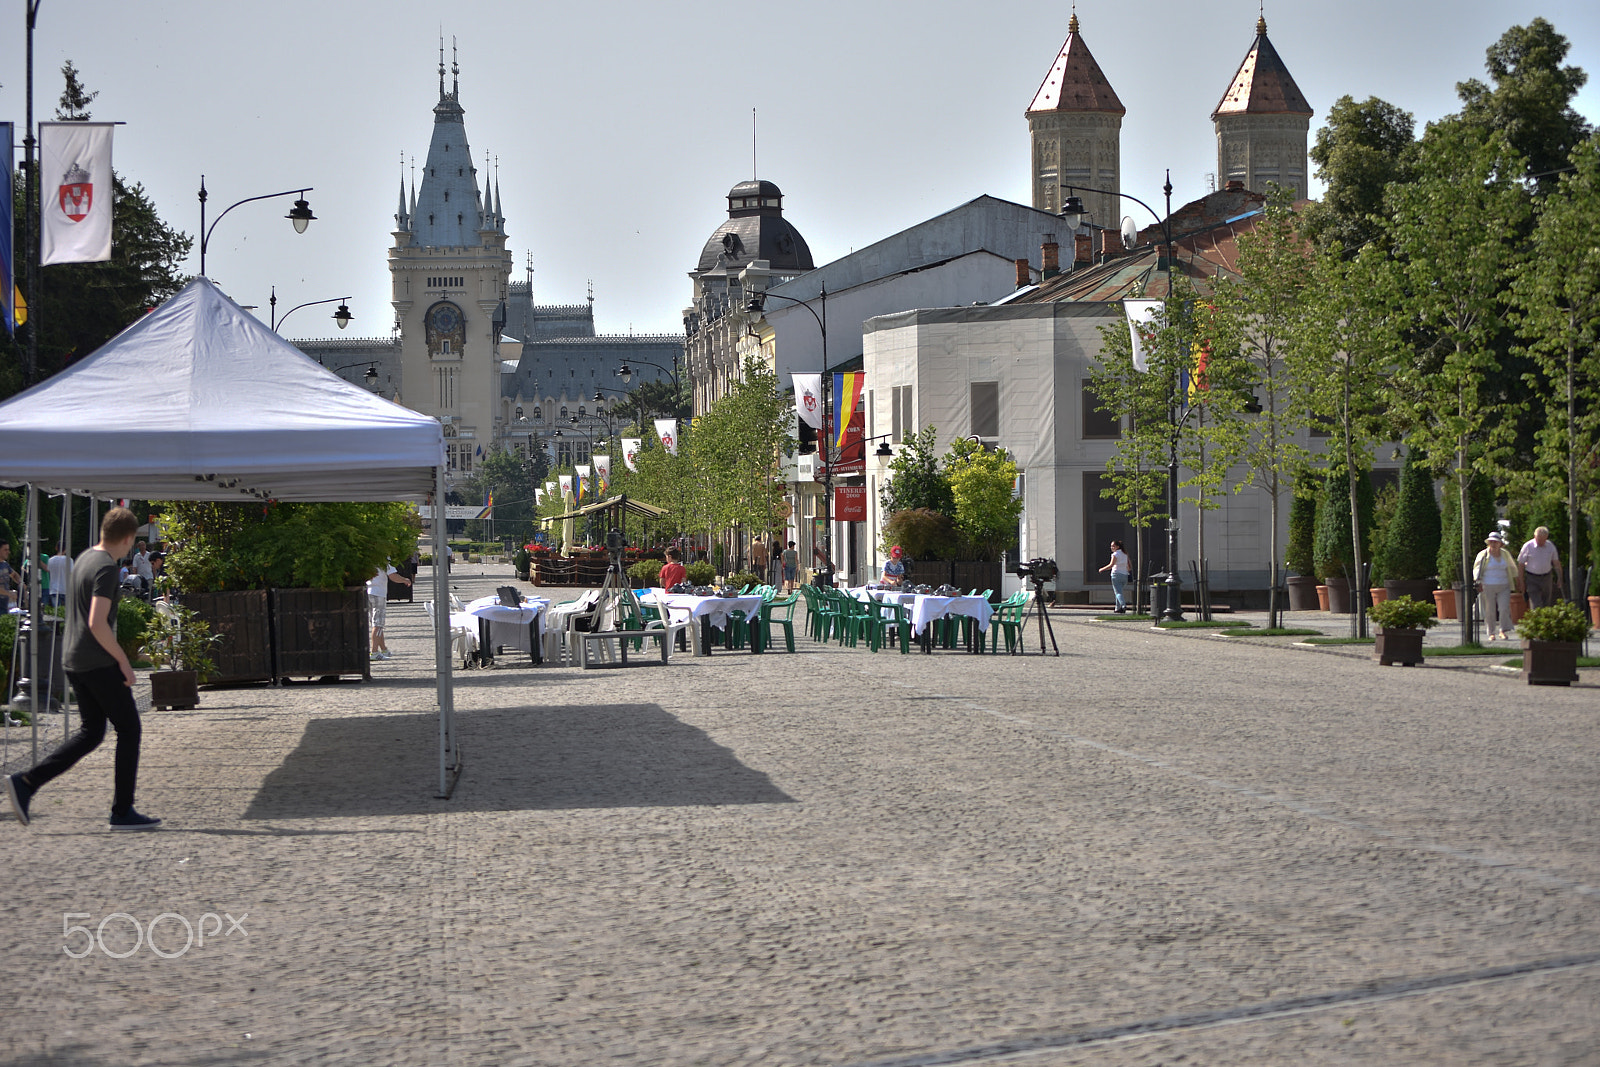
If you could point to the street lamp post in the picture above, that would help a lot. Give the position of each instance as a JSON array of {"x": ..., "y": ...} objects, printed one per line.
[
  {"x": 625, "y": 372},
  {"x": 757, "y": 303},
  {"x": 342, "y": 316},
  {"x": 300, "y": 214},
  {"x": 1072, "y": 213},
  {"x": 371, "y": 377}
]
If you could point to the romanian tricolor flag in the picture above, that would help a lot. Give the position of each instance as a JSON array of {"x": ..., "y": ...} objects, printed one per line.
[
  {"x": 583, "y": 482},
  {"x": 487, "y": 512},
  {"x": 1194, "y": 375},
  {"x": 847, "y": 388},
  {"x": 602, "y": 475}
]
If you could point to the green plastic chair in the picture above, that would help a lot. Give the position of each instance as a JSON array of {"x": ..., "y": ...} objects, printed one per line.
[{"x": 770, "y": 616}]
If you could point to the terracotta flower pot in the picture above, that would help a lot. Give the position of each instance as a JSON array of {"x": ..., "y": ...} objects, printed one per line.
[
  {"x": 1322, "y": 598},
  {"x": 1519, "y": 607},
  {"x": 1378, "y": 594},
  {"x": 1594, "y": 611},
  {"x": 1444, "y": 601}
]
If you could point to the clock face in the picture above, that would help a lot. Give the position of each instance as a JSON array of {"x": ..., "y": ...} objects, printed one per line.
[{"x": 446, "y": 317}]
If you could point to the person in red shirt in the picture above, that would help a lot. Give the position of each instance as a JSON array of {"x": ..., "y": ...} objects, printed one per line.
[{"x": 673, "y": 572}]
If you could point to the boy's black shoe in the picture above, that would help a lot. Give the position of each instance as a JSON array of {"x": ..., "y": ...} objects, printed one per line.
[
  {"x": 132, "y": 820},
  {"x": 18, "y": 793}
]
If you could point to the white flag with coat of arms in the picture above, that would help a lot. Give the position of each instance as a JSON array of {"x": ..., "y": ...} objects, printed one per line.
[
  {"x": 667, "y": 430},
  {"x": 1141, "y": 312},
  {"x": 75, "y": 171},
  {"x": 630, "y": 451},
  {"x": 808, "y": 398}
]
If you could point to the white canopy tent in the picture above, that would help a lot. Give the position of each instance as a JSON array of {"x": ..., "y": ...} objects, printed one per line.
[{"x": 200, "y": 401}]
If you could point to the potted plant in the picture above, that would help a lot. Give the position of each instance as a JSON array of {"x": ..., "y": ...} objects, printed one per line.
[
  {"x": 1298, "y": 559},
  {"x": 178, "y": 645},
  {"x": 522, "y": 560},
  {"x": 1551, "y": 638},
  {"x": 1403, "y": 621},
  {"x": 1410, "y": 543}
]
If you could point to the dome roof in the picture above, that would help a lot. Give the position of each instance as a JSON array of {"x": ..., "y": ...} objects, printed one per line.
[{"x": 756, "y": 229}]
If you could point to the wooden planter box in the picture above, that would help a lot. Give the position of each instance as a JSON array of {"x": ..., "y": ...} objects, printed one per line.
[
  {"x": 1550, "y": 662},
  {"x": 243, "y": 621},
  {"x": 174, "y": 689},
  {"x": 319, "y": 633},
  {"x": 1399, "y": 646}
]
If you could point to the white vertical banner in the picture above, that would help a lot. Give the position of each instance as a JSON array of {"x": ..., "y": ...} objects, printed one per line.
[
  {"x": 538, "y": 497},
  {"x": 75, "y": 185},
  {"x": 602, "y": 473},
  {"x": 1139, "y": 313},
  {"x": 566, "y": 485},
  {"x": 630, "y": 452},
  {"x": 808, "y": 398},
  {"x": 667, "y": 430}
]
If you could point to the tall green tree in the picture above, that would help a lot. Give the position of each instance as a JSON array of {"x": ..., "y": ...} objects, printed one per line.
[
  {"x": 1556, "y": 298},
  {"x": 915, "y": 479},
  {"x": 1256, "y": 374},
  {"x": 1362, "y": 149},
  {"x": 1455, "y": 231},
  {"x": 1530, "y": 102},
  {"x": 983, "y": 484}
]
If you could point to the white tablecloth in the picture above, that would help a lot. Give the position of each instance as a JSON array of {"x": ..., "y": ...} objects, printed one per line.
[
  {"x": 715, "y": 608},
  {"x": 510, "y": 626},
  {"x": 925, "y": 608}
]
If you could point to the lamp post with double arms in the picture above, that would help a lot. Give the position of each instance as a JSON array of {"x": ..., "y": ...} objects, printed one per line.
[
  {"x": 757, "y": 303},
  {"x": 341, "y": 316},
  {"x": 1072, "y": 213},
  {"x": 300, "y": 214}
]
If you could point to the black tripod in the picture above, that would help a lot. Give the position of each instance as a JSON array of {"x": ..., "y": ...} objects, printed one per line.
[{"x": 1044, "y": 616}]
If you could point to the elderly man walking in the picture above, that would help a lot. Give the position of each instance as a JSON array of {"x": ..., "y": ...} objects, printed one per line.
[{"x": 1541, "y": 569}]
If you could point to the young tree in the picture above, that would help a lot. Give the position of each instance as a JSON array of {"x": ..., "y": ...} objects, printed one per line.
[
  {"x": 1257, "y": 375},
  {"x": 984, "y": 486},
  {"x": 916, "y": 481},
  {"x": 1556, "y": 297},
  {"x": 1455, "y": 232}
]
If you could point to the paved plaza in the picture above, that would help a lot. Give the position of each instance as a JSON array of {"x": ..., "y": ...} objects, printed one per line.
[{"x": 1158, "y": 848}]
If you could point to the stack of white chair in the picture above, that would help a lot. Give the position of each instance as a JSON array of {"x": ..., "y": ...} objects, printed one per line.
[{"x": 463, "y": 633}]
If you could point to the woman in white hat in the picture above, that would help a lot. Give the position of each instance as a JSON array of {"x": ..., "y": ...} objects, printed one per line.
[{"x": 1497, "y": 577}]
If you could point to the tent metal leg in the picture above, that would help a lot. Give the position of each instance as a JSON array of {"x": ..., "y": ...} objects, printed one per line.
[{"x": 449, "y": 749}]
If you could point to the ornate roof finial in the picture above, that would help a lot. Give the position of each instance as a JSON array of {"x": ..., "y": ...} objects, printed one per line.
[
  {"x": 1261, "y": 19},
  {"x": 1072, "y": 23},
  {"x": 441, "y": 61}
]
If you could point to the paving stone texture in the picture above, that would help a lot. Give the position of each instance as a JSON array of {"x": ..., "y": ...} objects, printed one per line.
[{"x": 1157, "y": 848}]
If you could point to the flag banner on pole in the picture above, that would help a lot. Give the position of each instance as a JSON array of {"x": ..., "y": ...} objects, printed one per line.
[
  {"x": 667, "y": 430},
  {"x": 566, "y": 485},
  {"x": 549, "y": 487},
  {"x": 1141, "y": 312},
  {"x": 630, "y": 452},
  {"x": 584, "y": 482},
  {"x": 538, "y": 497},
  {"x": 846, "y": 395},
  {"x": 8, "y": 286},
  {"x": 75, "y": 186},
  {"x": 1194, "y": 376},
  {"x": 602, "y": 474},
  {"x": 487, "y": 511},
  {"x": 808, "y": 398}
]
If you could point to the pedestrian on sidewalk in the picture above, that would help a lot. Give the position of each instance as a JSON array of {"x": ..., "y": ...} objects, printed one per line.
[
  {"x": 101, "y": 677},
  {"x": 1496, "y": 574},
  {"x": 1119, "y": 575},
  {"x": 378, "y": 604},
  {"x": 1541, "y": 569},
  {"x": 791, "y": 567}
]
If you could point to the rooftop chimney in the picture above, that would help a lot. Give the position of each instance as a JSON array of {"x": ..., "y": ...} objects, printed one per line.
[
  {"x": 1234, "y": 186},
  {"x": 1082, "y": 250},
  {"x": 1052, "y": 257},
  {"x": 1024, "y": 275},
  {"x": 1110, "y": 244}
]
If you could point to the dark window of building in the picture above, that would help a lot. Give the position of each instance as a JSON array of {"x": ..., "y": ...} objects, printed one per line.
[
  {"x": 986, "y": 409},
  {"x": 1097, "y": 424}
]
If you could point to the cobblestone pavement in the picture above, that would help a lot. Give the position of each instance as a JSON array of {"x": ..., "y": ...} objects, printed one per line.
[{"x": 1158, "y": 848}]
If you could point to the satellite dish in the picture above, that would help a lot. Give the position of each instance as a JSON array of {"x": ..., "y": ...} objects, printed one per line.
[{"x": 1130, "y": 232}]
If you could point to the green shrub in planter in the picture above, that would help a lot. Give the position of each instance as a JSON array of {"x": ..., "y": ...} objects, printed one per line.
[
  {"x": 1333, "y": 550},
  {"x": 1302, "y": 528},
  {"x": 1411, "y": 539},
  {"x": 1403, "y": 613},
  {"x": 1480, "y": 503},
  {"x": 646, "y": 573},
  {"x": 744, "y": 579},
  {"x": 1556, "y": 622},
  {"x": 133, "y": 620},
  {"x": 701, "y": 573}
]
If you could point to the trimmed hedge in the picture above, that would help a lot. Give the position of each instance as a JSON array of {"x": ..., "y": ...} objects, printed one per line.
[
  {"x": 1334, "y": 551},
  {"x": 1302, "y": 528},
  {"x": 1411, "y": 541},
  {"x": 1480, "y": 506}
]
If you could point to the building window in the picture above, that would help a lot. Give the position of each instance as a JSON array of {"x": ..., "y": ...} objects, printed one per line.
[
  {"x": 900, "y": 421},
  {"x": 538, "y": 414},
  {"x": 563, "y": 411},
  {"x": 446, "y": 378},
  {"x": 986, "y": 409},
  {"x": 1097, "y": 424}
]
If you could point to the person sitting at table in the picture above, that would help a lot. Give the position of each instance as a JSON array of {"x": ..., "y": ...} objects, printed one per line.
[
  {"x": 894, "y": 571},
  {"x": 674, "y": 571}
]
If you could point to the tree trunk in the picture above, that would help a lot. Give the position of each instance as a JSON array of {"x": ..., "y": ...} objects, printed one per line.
[
  {"x": 1571, "y": 575},
  {"x": 1464, "y": 609}
]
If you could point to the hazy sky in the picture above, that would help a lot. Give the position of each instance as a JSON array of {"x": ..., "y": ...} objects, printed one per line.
[{"x": 620, "y": 127}]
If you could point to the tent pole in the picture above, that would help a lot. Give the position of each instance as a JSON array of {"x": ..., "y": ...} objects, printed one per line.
[
  {"x": 30, "y": 550},
  {"x": 449, "y": 758}
]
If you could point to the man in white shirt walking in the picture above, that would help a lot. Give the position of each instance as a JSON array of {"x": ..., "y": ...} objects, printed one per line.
[{"x": 1541, "y": 569}]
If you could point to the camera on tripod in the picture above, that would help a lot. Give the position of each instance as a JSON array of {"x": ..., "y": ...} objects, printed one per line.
[
  {"x": 1040, "y": 570},
  {"x": 614, "y": 547}
]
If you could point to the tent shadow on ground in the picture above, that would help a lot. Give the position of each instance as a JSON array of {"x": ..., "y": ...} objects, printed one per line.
[{"x": 517, "y": 759}]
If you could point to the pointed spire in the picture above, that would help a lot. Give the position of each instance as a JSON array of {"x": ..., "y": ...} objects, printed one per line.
[
  {"x": 455, "y": 69},
  {"x": 1075, "y": 81},
  {"x": 441, "y": 63},
  {"x": 499, "y": 204},
  {"x": 1262, "y": 85},
  {"x": 401, "y": 216}
]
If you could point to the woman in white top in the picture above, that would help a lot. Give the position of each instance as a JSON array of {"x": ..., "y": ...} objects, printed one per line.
[
  {"x": 1497, "y": 576},
  {"x": 1119, "y": 574}
]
